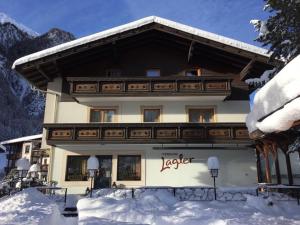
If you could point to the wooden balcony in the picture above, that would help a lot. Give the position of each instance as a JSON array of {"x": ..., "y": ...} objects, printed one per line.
[
  {"x": 39, "y": 153},
  {"x": 146, "y": 133},
  {"x": 145, "y": 86}
]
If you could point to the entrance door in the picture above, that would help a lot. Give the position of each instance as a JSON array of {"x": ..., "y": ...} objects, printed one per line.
[{"x": 103, "y": 178}]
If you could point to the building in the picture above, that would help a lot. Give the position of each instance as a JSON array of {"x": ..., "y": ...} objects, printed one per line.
[
  {"x": 152, "y": 99},
  {"x": 275, "y": 127},
  {"x": 28, "y": 147}
]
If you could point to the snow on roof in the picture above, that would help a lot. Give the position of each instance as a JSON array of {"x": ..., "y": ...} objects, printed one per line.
[
  {"x": 6, "y": 19},
  {"x": 282, "y": 119},
  {"x": 280, "y": 99},
  {"x": 137, "y": 24},
  {"x": 22, "y": 139}
]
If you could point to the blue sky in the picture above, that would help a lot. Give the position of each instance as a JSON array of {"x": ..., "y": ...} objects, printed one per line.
[{"x": 83, "y": 17}]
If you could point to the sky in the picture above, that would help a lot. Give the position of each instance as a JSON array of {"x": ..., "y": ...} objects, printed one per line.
[{"x": 83, "y": 17}]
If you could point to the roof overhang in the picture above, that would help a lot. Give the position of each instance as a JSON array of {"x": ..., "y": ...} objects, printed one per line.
[
  {"x": 41, "y": 67},
  {"x": 22, "y": 139}
]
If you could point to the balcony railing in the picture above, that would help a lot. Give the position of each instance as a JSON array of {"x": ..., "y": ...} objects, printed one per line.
[
  {"x": 39, "y": 153},
  {"x": 95, "y": 86},
  {"x": 146, "y": 133}
]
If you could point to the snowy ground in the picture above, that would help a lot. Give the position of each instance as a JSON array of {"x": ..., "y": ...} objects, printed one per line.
[
  {"x": 161, "y": 208},
  {"x": 31, "y": 207}
]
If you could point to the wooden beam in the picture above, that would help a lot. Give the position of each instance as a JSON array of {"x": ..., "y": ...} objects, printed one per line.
[
  {"x": 257, "y": 134},
  {"x": 38, "y": 67},
  {"x": 246, "y": 69},
  {"x": 277, "y": 168},
  {"x": 258, "y": 165},
  {"x": 190, "y": 54},
  {"x": 220, "y": 54},
  {"x": 267, "y": 164},
  {"x": 289, "y": 169},
  {"x": 214, "y": 44}
]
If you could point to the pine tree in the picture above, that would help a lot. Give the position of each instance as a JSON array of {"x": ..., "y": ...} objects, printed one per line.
[{"x": 281, "y": 32}]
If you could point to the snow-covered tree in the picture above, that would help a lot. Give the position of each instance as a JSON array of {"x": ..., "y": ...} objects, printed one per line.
[{"x": 281, "y": 31}]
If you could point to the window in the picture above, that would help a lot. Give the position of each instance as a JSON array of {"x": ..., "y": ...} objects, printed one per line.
[
  {"x": 27, "y": 148},
  {"x": 36, "y": 145},
  {"x": 129, "y": 167},
  {"x": 103, "y": 179},
  {"x": 153, "y": 73},
  {"x": 200, "y": 115},
  {"x": 113, "y": 73},
  {"x": 193, "y": 72},
  {"x": 105, "y": 115},
  {"x": 45, "y": 162},
  {"x": 76, "y": 168},
  {"x": 151, "y": 114}
]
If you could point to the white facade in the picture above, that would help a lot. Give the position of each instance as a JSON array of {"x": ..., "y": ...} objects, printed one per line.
[{"x": 238, "y": 167}]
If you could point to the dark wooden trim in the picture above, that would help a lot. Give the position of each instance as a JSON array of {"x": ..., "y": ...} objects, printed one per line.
[
  {"x": 145, "y": 86},
  {"x": 289, "y": 169},
  {"x": 144, "y": 78},
  {"x": 277, "y": 168},
  {"x": 267, "y": 164},
  {"x": 246, "y": 69},
  {"x": 39, "y": 68},
  {"x": 190, "y": 53},
  {"x": 147, "y": 133},
  {"x": 258, "y": 164}
]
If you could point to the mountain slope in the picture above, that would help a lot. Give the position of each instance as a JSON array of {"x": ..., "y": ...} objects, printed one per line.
[{"x": 22, "y": 108}]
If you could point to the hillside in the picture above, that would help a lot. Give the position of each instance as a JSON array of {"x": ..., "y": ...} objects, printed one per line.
[{"x": 22, "y": 108}]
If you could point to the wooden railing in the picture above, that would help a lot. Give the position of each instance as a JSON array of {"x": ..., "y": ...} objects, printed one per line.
[
  {"x": 147, "y": 133},
  {"x": 39, "y": 153},
  {"x": 145, "y": 86}
]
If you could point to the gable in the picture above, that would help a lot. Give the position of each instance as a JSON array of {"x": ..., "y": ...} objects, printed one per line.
[{"x": 41, "y": 67}]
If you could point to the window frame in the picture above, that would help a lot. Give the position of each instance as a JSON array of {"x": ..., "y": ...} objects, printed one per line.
[
  {"x": 199, "y": 71},
  {"x": 103, "y": 108},
  {"x": 212, "y": 108},
  {"x": 153, "y": 69},
  {"x": 27, "y": 147},
  {"x": 158, "y": 107},
  {"x": 67, "y": 165},
  {"x": 140, "y": 165}
]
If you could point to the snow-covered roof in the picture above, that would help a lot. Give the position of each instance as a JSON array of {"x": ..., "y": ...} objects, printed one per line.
[
  {"x": 278, "y": 101},
  {"x": 22, "y": 139},
  {"x": 6, "y": 19},
  {"x": 137, "y": 24}
]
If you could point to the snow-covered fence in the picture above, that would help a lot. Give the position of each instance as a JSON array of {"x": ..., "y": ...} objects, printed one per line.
[
  {"x": 181, "y": 193},
  {"x": 57, "y": 194},
  {"x": 280, "y": 192}
]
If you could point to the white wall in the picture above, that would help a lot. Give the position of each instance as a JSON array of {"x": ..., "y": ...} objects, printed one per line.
[
  {"x": 24, "y": 154},
  {"x": 172, "y": 111},
  {"x": 237, "y": 167}
]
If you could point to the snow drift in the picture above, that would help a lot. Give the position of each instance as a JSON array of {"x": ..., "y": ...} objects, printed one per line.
[
  {"x": 29, "y": 207},
  {"x": 159, "y": 207}
]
